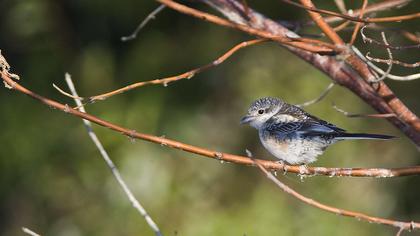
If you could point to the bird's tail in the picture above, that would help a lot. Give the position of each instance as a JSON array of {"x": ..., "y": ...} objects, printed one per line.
[{"x": 343, "y": 136}]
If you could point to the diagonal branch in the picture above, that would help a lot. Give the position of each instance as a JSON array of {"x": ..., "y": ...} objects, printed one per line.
[
  {"x": 134, "y": 202},
  {"x": 271, "y": 165},
  {"x": 401, "y": 225}
]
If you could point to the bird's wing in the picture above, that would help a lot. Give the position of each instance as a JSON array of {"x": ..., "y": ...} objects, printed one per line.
[
  {"x": 309, "y": 129},
  {"x": 284, "y": 127},
  {"x": 306, "y": 128},
  {"x": 316, "y": 120}
]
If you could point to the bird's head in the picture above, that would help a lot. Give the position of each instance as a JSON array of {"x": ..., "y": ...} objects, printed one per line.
[{"x": 261, "y": 110}]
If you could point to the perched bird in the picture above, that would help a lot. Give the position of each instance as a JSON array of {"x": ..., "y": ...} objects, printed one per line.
[{"x": 292, "y": 135}]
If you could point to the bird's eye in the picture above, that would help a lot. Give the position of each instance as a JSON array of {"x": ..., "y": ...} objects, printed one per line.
[{"x": 261, "y": 111}]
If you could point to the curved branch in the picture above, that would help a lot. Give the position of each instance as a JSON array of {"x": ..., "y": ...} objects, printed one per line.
[
  {"x": 401, "y": 225},
  {"x": 271, "y": 165}
]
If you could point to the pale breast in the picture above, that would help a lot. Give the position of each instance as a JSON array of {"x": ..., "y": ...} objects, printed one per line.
[{"x": 294, "y": 150}]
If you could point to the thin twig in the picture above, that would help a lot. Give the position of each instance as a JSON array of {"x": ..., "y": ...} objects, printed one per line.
[
  {"x": 226, "y": 157},
  {"x": 384, "y": 76},
  {"x": 380, "y": 71},
  {"x": 355, "y": 19},
  {"x": 358, "y": 24},
  {"x": 29, "y": 232},
  {"x": 323, "y": 25},
  {"x": 250, "y": 30},
  {"x": 367, "y": 39},
  {"x": 150, "y": 17},
  {"x": 319, "y": 98},
  {"x": 352, "y": 115},
  {"x": 409, "y": 226},
  {"x": 395, "y": 62},
  {"x": 135, "y": 203},
  {"x": 185, "y": 75},
  {"x": 375, "y": 7}
]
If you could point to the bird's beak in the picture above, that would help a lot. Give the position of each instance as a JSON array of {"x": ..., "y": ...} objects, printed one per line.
[{"x": 246, "y": 119}]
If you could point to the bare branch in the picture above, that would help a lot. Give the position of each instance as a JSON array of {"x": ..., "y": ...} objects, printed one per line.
[
  {"x": 186, "y": 75},
  {"x": 395, "y": 62},
  {"x": 319, "y": 98},
  {"x": 358, "y": 24},
  {"x": 380, "y": 71},
  {"x": 134, "y": 202},
  {"x": 384, "y": 76},
  {"x": 355, "y": 19},
  {"x": 367, "y": 39},
  {"x": 409, "y": 226},
  {"x": 250, "y": 30},
  {"x": 317, "y": 18},
  {"x": 375, "y": 7},
  {"x": 226, "y": 157},
  {"x": 149, "y": 17},
  {"x": 352, "y": 115}
]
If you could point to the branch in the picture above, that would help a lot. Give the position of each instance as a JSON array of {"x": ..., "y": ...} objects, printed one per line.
[
  {"x": 395, "y": 62},
  {"x": 351, "y": 115},
  {"x": 319, "y": 98},
  {"x": 226, "y": 157},
  {"x": 355, "y": 19},
  {"x": 380, "y": 71},
  {"x": 367, "y": 39},
  {"x": 150, "y": 17},
  {"x": 186, "y": 75},
  {"x": 281, "y": 38},
  {"x": 322, "y": 24},
  {"x": 134, "y": 202},
  {"x": 376, "y": 7},
  {"x": 401, "y": 225},
  {"x": 356, "y": 29}
]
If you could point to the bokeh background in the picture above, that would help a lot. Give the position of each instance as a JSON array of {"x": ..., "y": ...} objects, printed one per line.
[{"x": 53, "y": 180}]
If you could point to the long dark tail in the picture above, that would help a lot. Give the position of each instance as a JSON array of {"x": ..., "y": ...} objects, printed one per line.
[{"x": 343, "y": 136}]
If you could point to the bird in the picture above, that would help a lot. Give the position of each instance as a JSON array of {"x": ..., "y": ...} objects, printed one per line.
[{"x": 294, "y": 136}]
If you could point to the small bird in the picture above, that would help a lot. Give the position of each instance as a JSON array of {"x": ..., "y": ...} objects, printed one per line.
[{"x": 293, "y": 135}]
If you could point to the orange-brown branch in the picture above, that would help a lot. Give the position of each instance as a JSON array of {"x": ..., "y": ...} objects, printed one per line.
[
  {"x": 402, "y": 225},
  {"x": 271, "y": 165}
]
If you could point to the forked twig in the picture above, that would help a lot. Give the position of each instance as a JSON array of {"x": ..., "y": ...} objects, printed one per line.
[
  {"x": 380, "y": 71},
  {"x": 134, "y": 202}
]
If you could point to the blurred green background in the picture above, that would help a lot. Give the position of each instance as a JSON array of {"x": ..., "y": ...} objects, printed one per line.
[{"x": 53, "y": 180}]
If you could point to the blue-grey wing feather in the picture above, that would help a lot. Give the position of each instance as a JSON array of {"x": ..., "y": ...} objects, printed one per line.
[{"x": 284, "y": 128}]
